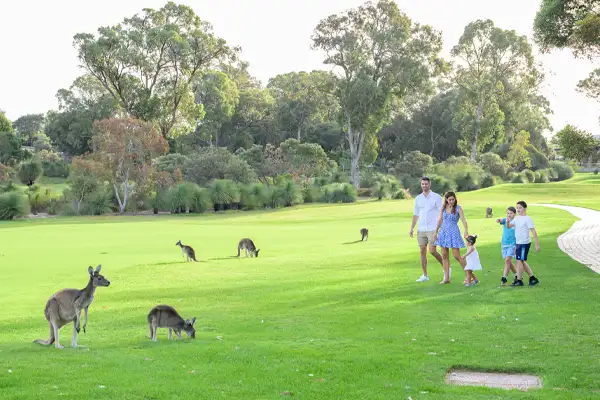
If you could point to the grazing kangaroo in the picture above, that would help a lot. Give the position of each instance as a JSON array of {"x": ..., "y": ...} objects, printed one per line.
[
  {"x": 364, "y": 232},
  {"x": 164, "y": 316},
  {"x": 187, "y": 251},
  {"x": 65, "y": 306},
  {"x": 248, "y": 246},
  {"x": 488, "y": 212}
]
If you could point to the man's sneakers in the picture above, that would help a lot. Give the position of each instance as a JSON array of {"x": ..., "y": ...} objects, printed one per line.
[
  {"x": 423, "y": 278},
  {"x": 504, "y": 281},
  {"x": 533, "y": 281},
  {"x": 517, "y": 282}
]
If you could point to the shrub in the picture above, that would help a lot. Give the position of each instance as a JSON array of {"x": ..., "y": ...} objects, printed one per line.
[
  {"x": 467, "y": 182},
  {"x": 30, "y": 171},
  {"x": 381, "y": 190},
  {"x": 13, "y": 205},
  {"x": 493, "y": 164},
  {"x": 260, "y": 195},
  {"x": 563, "y": 170},
  {"x": 519, "y": 178},
  {"x": 170, "y": 162},
  {"x": 8, "y": 187},
  {"x": 5, "y": 172},
  {"x": 401, "y": 194},
  {"x": 328, "y": 193},
  {"x": 311, "y": 193},
  {"x": 290, "y": 194},
  {"x": 178, "y": 198},
  {"x": 321, "y": 181},
  {"x": 414, "y": 164},
  {"x": 274, "y": 197},
  {"x": 441, "y": 184},
  {"x": 224, "y": 193},
  {"x": 199, "y": 199},
  {"x": 56, "y": 204},
  {"x": 538, "y": 159},
  {"x": 542, "y": 176},
  {"x": 57, "y": 169},
  {"x": 99, "y": 202},
  {"x": 552, "y": 174},
  {"x": 488, "y": 180},
  {"x": 466, "y": 175},
  {"x": 529, "y": 174},
  {"x": 339, "y": 193},
  {"x": 596, "y": 171},
  {"x": 345, "y": 193},
  {"x": 39, "y": 199},
  {"x": 159, "y": 201},
  {"x": 364, "y": 192},
  {"x": 216, "y": 163}
]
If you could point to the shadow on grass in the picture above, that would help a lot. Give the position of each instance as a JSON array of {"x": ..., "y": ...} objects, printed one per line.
[{"x": 356, "y": 241}]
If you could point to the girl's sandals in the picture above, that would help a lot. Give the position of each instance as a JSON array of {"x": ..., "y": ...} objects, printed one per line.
[{"x": 444, "y": 282}]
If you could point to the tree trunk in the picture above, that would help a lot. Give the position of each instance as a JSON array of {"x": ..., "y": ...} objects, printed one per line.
[
  {"x": 299, "y": 132},
  {"x": 432, "y": 141},
  {"x": 476, "y": 132},
  {"x": 122, "y": 203},
  {"x": 355, "y": 140}
]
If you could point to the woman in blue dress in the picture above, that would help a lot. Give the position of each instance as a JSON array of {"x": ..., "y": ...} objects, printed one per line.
[{"x": 448, "y": 235}]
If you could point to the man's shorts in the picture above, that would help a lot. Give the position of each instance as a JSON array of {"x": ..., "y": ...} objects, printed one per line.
[
  {"x": 522, "y": 251},
  {"x": 508, "y": 251},
  {"x": 426, "y": 238}
]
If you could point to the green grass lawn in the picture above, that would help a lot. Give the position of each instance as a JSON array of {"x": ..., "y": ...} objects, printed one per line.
[{"x": 316, "y": 314}]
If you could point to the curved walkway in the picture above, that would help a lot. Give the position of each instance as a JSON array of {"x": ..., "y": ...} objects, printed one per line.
[{"x": 582, "y": 241}]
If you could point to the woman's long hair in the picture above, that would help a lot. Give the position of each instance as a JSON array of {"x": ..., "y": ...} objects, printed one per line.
[{"x": 446, "y": 197}]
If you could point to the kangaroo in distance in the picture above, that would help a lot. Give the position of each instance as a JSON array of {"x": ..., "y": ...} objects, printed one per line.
[
  {"x": 65, "y": 306},
  {"x": 488, "y": 212},
  {"x": 164, "y": 316},
  {"x": 364, "y": 232},
  {"x": 248, "y": 246},
  {"x": 187, "y": 251}
]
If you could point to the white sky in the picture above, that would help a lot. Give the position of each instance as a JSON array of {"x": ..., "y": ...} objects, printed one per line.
[{"x": 37, "y": 56}]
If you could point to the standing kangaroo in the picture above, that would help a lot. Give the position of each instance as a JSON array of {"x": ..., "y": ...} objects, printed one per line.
[
  {"x": 164, "y": 316},
  {"x": 364, "y": 232},
  {"x": 488, "y": 212},
  {"x": 187, "y": 251},
  {"x": 65, "y": 306},
  {"x": 248, "y": 246}
]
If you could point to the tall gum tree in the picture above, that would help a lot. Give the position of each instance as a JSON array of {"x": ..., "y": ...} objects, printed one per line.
[
  {"x": 149, "y": 62},
  {"x": 489, "y": 60},
  {"x": 380, "y": 56}
]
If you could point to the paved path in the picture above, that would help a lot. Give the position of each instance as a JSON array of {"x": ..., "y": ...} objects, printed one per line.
[{"x": 582, "y": 241}]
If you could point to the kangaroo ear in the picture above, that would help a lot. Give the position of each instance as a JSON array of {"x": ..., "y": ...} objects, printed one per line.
[
  {"x": 98, "y": 268},
  {"x": 91, "y": 270},
  {"x": 193, "y": 320}
]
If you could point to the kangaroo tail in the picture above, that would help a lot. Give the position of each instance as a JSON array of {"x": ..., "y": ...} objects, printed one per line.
[
  {"x": 46, "y": 342},
  {"x": 238, "y": 252}
]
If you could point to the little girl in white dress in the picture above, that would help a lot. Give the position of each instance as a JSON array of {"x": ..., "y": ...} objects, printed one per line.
[{"x": 472, "y": 259}]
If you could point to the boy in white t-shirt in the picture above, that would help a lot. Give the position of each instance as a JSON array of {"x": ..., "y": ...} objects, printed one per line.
[{"x": 523, "y": 225}]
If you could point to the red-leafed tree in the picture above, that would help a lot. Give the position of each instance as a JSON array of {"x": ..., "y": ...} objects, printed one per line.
[{"x": 126, "y": 147}]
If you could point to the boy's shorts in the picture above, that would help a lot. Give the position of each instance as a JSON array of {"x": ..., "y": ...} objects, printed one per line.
[
  {"x": 508, "y": 251},
  {"x": 522, "y": 251}
]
